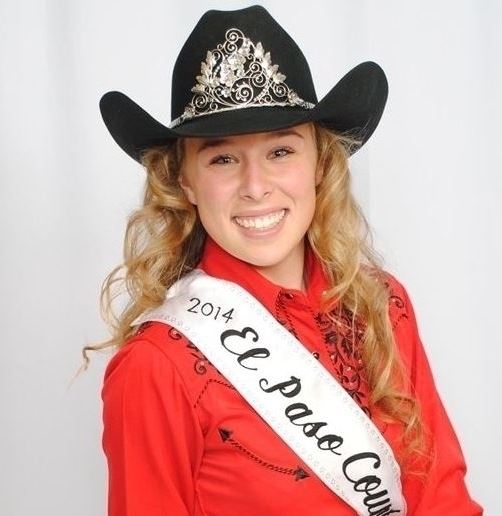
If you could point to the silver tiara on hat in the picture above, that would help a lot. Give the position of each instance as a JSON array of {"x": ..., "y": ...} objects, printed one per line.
[{"x": 238, "y": 74}]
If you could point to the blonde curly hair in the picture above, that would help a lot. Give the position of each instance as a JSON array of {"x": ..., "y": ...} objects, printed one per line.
[{"x": 164, "y": 240}]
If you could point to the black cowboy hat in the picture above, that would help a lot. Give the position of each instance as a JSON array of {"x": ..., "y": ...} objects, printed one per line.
[{"x": 240, "y": 72}]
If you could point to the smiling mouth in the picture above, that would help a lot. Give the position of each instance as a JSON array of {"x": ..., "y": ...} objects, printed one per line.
[{"x": 261, "y": 223}]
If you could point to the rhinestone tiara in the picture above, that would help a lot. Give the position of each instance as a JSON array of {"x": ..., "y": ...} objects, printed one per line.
[{"x": 238, "y": 74}]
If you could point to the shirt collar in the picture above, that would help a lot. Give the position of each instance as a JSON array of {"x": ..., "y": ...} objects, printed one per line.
[{"x": 220, "y": 264}]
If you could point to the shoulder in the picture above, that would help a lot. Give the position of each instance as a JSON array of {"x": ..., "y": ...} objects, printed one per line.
[
  {"x": 395, "y": 295},
  {"x": 159, "y": 353},
  {"x": 404, "y": 325},
  {"x": 143, "y": 350},
  {"x": 399, "y": 303},
  {"x": 400, "y": 312}
]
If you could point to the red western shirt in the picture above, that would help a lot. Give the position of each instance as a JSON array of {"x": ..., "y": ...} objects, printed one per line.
[{"x": 180, "y": 440}]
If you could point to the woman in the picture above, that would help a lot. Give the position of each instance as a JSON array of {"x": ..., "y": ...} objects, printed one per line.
[{"x": 266, "y": 363}]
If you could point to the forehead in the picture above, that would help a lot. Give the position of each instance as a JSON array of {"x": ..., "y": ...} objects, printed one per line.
[{"x": 197, "y": 145}]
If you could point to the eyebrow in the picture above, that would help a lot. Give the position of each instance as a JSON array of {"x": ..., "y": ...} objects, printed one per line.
[{"x": 209, "y": 143}]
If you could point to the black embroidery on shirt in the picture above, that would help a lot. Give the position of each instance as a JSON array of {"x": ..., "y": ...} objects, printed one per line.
[
  {"x": 201, "y": 363},
  {"x": 207, "y": 384},
  {"x": 226, "y": 436},
  {"x": 142, "y": 327},
  {"x": 174, "y": 333},
  {"x": 397, "y": 307},
  {"x": 343, "y": 343},
  {"x": 282, "y": 316}
]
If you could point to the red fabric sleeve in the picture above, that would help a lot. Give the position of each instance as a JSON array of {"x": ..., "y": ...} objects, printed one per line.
[
  {"x": 444, "y": 491},
  {"x": 152, "y": 437}
]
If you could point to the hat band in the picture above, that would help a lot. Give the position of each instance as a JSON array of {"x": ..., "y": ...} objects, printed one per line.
[
  {"x": 238, "y": 74},
  {"x": 183, "y": 118}
]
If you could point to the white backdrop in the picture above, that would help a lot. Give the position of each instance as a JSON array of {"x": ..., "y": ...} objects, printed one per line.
[{"x": 429, "y": 180}]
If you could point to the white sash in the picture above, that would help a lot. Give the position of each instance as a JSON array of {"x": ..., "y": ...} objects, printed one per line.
[{"x": 288, "y": 388}]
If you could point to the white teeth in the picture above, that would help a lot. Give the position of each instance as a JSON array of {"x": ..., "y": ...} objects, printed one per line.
[{"x": 262, "y": 223}]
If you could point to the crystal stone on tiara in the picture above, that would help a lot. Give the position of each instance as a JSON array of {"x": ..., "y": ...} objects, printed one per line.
[{"x": 238, "y": 74}]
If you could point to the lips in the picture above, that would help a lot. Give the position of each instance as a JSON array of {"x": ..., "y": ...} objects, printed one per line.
[{"x": 261, "y": 222}]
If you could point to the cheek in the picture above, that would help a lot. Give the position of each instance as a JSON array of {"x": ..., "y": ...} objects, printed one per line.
[
  {"x": 305, "y": 193},
  {"x": 303, "y": 190},
  {"x": 213, "y": 197}
]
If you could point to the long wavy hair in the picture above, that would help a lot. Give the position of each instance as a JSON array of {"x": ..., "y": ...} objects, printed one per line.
[{"x": 164, "y": 240}]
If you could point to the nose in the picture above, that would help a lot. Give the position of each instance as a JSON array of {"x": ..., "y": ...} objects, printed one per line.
[{"x": 255, "y": 183}]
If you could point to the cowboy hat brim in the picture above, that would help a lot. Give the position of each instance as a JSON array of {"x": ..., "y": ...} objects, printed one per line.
[{"x": 353, "y": 106}]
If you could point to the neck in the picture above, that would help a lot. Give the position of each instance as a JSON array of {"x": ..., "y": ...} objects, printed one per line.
[{"x": 289, "y": 272}]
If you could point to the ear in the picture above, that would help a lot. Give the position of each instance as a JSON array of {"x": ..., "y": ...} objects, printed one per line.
[{"x": 185, "y": 185}]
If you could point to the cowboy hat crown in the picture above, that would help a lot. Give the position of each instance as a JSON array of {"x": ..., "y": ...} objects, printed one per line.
[{"x": 240, "y": 72}]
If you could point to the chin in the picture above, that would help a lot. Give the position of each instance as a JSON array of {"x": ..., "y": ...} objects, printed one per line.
[{"x": 260, "y": 257}]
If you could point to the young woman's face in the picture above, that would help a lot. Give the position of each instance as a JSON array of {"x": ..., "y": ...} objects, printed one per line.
[{"x": 255, "y": 194}]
